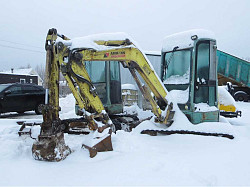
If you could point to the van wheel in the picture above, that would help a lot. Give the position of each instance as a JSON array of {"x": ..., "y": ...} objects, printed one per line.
[{"x": 39, "y": 108}]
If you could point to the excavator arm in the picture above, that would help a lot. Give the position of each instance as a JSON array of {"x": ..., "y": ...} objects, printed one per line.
[
  {"x": 51, "y": 145},
  {"x": 130, "y": 57},
  {"x": 61, "y": 56}
]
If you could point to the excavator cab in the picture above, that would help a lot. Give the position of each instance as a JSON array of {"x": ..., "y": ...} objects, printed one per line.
[
  {"x": 105, "y": 76},
  {"x": 190, "y": 72}
]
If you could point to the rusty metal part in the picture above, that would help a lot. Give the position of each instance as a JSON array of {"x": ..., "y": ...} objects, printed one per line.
[
  {"x": 104, "y": 145},
  {"x": 23, "y": 128},
  {"x": 170, "y": 115},
  {"x": 91, "y": 122},
  {"x": 22, "y": 132},
  {"x": 50, "y": 148},
  {"x": 170, "y": 132},
  {"x": 102, "y": 128}
]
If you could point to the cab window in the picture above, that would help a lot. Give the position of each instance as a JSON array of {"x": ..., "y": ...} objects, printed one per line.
[
  {"x": 96, "y": 70},
  {"x": 114, "y": 70}
]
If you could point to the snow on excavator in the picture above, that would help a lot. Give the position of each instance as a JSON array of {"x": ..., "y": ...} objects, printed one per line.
[
  {"x": 90, "y": 66},
  {"x": 68, "y": 57},
  {"x": 190, "y": 57}
]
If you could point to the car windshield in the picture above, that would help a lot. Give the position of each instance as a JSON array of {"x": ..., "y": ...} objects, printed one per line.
[{"x": 2, "y": 87}]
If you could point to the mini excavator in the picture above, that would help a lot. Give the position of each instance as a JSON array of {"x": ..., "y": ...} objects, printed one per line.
[
  {"x": 73, "y": 63},
  {"x": 91, "y": 67}
]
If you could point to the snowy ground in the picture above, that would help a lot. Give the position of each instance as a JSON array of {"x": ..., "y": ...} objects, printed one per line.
[{"x": 136, "y": 160}]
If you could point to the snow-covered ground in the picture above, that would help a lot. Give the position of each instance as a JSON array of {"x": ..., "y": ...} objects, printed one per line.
[{"x": 136, "y": 160}]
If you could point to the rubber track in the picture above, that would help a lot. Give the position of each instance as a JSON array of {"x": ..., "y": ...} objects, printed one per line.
[{"x": 170, "y": 132}]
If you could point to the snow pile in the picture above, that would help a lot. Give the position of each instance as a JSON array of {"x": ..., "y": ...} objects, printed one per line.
[
  {"x": 184, "y": 159},
  {"x": 137, "y": 159},
  {"x": 67, "y": 105},
  {"x": 225, "y": 97},
  {"x": 204, "y": 107},
  {"x": 134, "y": 109},
  {"x": 178, "y": 79},
  {"x": 180, "y": 96},
  {"x": 183, "y": 39},
  {"x": 182, "y": 123}
]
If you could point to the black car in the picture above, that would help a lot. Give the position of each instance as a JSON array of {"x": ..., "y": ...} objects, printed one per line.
[{"x": 21, "y": 97}]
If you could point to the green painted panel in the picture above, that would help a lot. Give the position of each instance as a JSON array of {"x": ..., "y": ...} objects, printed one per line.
[{"x": 233, "y": 67}]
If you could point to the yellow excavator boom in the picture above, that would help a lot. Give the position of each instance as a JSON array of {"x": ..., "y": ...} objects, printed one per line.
[{"x": 130, "y": 57}]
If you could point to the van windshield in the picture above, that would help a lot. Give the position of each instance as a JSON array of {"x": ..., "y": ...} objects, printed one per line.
[{"x": 2, "y": 87}]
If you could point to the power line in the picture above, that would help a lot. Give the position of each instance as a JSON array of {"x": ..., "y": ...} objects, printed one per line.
[
  {"x": 22, "y": 49},
  {"x": 20, "y": 44}
]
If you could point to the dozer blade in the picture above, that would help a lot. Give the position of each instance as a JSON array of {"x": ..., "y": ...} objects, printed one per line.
[
  {"x": 101, "y": 145},
  {"x": 169, "y": 132}
]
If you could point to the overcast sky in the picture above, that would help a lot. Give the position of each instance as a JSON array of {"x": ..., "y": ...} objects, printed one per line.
[{"x": 24, "y": 23}]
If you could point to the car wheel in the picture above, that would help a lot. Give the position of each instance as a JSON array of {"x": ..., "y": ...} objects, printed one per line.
[{"x": 39, "y": 108}]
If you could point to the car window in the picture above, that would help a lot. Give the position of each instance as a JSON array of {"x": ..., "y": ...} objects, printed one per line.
[
  {"x": 15, "y": 90},
  {"x": 37, "y": 89},
  {"x": 2, "y": 87},
  {"x": 30, "y": 89}
]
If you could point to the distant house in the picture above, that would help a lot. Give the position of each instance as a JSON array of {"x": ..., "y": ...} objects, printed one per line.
[{"x": 20, "y": 76}]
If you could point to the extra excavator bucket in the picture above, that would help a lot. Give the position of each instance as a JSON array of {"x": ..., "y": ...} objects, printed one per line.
[{"x": 101, "y": 144}]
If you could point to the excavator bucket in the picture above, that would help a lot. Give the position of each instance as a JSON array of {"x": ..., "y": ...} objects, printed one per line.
[
  {"x": 50, "y": 148},
  {"x": 104, "y": 145}
]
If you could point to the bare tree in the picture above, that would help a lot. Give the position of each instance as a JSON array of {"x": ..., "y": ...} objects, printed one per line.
[
  {"x": 40, "y": 69},
  {"x": 25, "y": 67}
]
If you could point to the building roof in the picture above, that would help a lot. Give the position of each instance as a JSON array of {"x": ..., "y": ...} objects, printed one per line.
[
  {"x": 128, "y": 87},
  {"x": 27, "y": 71},
  {"x": 157, "y": 53}
]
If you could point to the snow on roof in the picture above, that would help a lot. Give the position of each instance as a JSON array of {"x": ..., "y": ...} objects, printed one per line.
[
  {"x": 128, "y": 87},
  {"x": 152, "y": 52},
  {"x": 27, "y": 71},
  {"x": 183, "y": 39}
]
